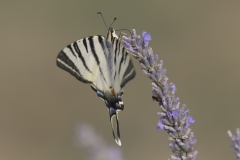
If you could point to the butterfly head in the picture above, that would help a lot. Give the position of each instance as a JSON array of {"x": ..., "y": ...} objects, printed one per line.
[
  {"x": 111, "y": 30},
  {"x": 112, "y": 33}
]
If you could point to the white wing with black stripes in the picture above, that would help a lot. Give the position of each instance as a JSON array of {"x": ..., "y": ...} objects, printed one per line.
[{"x": 103, "y": 63}]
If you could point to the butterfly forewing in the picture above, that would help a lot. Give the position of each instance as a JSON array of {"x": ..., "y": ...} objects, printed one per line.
[{"x": 82, "y": 59}]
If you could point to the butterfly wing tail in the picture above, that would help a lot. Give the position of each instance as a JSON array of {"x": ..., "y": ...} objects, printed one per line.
[{"x": 112, "y": 114}]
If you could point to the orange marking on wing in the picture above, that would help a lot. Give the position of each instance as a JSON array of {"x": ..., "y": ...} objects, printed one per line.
[{"x": 112, "y": 92}]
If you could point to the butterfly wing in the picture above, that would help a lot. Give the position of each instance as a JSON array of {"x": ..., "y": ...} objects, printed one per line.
[
  {"x": 123, "y": 67},
  {"x": 121, "y": 71},
  {"x": 85, "y": 59}
]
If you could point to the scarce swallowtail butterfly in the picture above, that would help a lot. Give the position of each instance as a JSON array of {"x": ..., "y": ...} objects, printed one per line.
[{"x": 104, "y": 63}]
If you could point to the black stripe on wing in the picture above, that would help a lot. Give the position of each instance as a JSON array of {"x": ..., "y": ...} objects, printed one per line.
[
  {"x": 66, "y": 64},
  {"x": 101, "y": 41},
  {"x": 75, "y": 45},
  {"x": 70, "y": 48},
  {"x": 85, "y": 44},
  {"x": 128, "y": 74},
  {"x": 121, "y": 61},
  {"x": 91, "y": 43},
  {"x": 115, "y": 52}
]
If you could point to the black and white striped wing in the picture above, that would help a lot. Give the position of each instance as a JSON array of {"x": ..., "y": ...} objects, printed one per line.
[
  {"x": 123, "y": 66},
  {"x": 84, "y": 59}
]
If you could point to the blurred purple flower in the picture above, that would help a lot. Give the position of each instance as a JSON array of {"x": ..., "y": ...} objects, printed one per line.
[
  {"x": 235, "y": 142},
  {"x": 146, "y": 38},
  {"x": 93, "y": 144},
  {"x": 175, "y": 114},
  {"x": 128, "y": 47},
  {"x": 173, "y": 119},
  {"x": 160, "y": 125},
  {"x": 189, "y": 121}
]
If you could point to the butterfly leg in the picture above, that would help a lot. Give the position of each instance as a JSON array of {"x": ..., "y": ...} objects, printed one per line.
[
  {"x": 121, "y": 40},
  {"x": 121, "y": 35},
  {"x": 112, "y": 114}
]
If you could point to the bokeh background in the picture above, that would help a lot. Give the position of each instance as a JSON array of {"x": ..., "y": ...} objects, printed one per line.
[{"x": 40, "y": 104}]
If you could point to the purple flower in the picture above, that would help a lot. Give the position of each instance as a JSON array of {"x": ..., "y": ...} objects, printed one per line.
[
  {"x": 172, "y": 88},
  {"x": 235, "y": 142},
  {"x": 146, "y": 38},
  {"x": 173, "y": 119},
  {"x": 175, "y": 114},
  {"x": 96, "y": 148},
  {"x": 189, "y": 121},
  {"x": 128, "y": 47},
  {"x": 160, "y": 125}
]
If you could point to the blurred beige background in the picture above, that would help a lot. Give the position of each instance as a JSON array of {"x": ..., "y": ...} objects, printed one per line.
[{"x": 40, "y": 104}]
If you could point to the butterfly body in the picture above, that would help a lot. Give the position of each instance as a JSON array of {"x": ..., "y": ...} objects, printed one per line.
[{"x": 103, "y": 63}]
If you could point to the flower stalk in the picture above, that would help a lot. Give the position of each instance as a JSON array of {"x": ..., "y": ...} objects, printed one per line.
[{"x": 174, "y": 120}]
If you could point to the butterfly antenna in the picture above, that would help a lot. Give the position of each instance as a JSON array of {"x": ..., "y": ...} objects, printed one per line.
[
  {"x": 113, "y": 22},
  {"x": 102, "y": 18}
]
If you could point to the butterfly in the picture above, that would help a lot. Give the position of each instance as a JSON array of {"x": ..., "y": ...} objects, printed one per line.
[{"x": 103, "y": 63}]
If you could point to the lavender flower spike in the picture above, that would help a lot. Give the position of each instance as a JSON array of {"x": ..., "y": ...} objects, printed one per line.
[
  {"x": 175, "y": 120},
  {"x": 235, "y": 142}
]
